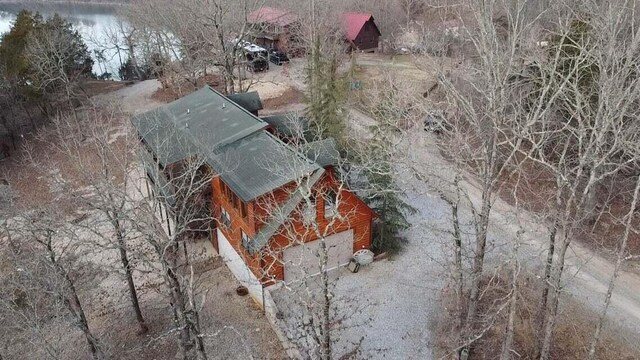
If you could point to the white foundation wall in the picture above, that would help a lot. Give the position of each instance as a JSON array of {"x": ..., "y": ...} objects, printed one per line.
[
  {"x": 239, "y": 269},
  {"x": 164, "y": 217}
]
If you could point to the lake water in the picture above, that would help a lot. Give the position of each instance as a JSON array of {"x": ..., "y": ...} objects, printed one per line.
[{"x": 94, "y": 22}]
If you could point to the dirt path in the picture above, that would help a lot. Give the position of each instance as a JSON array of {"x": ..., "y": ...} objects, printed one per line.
[
  {"x": 587, "y": 273},
  {"x": 134, "y": 99}
]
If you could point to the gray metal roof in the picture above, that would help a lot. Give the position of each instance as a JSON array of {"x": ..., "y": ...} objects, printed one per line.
[
  {"x": 289, "y": 124},
  {"x": 201, "y": 121},
  {"x": 258, "y": 164},
  {"x": 250, "y": 101},
  {"x": 250, "y": 161},
  {"x": 162, "y": 137},
  {"x": 323, "y": 152}
]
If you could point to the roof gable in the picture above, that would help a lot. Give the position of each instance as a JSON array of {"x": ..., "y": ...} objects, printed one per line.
[
  {"x": 288, "y": 124},
  {"x": 323, "y": 152},
  {"x": 259, "y": 164},
  {"x": 353, "y": 23}
]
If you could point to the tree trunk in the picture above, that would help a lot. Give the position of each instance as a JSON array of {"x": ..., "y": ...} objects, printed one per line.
[
  {"x": 133, "y": 294},
  {"x": 186, "y": 318},
  {"x": 177, "y": 302},
  {"x": 547, "y": 275},
  {"x": 478, "y": 260},
  {"x": 619, "y": 260},
  {"x": 383, "y": 224},
  {"x": 458, "y": 277},
  {"x": 513, "y": 303},
  {"x": 33, "y": 124},
  {"x": 553, "y": 235},
  {"x": 508, "y": 341},
  {"x": 553, "y": 299},
  {"x": 325, "y": 341},
  {"x": 74, "y": 306}
]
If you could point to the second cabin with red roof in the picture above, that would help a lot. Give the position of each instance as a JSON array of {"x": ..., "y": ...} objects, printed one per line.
[
  {"x": 361, "y": 31},
  {"x": 275, "y": 28}
]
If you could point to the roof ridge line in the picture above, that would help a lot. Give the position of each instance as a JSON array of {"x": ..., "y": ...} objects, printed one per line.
[{"x": 234, "y": 104}]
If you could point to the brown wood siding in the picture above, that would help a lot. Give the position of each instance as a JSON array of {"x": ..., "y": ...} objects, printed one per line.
[
  {"x": 368, "y": 37},
  {"x": 238, "y": 224},
  {"x": 268, "y": 265},
  {"x": 357, "y": 216}
]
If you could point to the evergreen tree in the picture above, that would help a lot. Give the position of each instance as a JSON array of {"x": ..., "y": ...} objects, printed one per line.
[
  {"x": 385, "y": 197},
  {"x": 13, "y": 58},
  {"x": 326, "y": 92},
  {"x": 59, "y": 44}
]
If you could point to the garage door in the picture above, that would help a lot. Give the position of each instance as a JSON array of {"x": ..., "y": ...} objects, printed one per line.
[{"x": 303, "y": 260}]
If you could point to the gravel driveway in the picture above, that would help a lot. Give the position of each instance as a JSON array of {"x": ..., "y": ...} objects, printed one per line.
[
  {"x": 392, "y": 302},
  {"x": 400, "y": 295}
]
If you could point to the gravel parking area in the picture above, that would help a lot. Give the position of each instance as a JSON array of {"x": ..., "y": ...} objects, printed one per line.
[{"x": 392, "y": 302}]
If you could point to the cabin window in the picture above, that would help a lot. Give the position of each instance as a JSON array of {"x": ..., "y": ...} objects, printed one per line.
[
  {"x": 246, "y": 240},
  {"x": 243, "y": 209},
  {"x": 226, "y": 219},
  {"x": 331, "y": 204},
  {"x": 235, "y": 201}
]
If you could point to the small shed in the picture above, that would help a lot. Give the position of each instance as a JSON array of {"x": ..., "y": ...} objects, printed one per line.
[{"x": 361, "y": 31}]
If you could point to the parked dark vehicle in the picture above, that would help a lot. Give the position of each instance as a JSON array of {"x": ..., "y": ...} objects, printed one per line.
[
  {"x": 278, "y": 57},
  {"x": 257, "y": 61},
  {"x": 257, "y": 57}
]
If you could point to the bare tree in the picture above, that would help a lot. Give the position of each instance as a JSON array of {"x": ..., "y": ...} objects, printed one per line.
[
  {"x": 178, "y": 209},
  {"x": 563, "y": 108},
  {"x": 620, "y": 258},
  {"x": 582, "y": 134},
  {"x": 201, "y": 35},
  {"x": 52, "y": 243},
  {"x": 480, "y": 122},
  {"x": 314, "y": 209},
  {"x": 58, "y": 59},
  {"x": 102, "y": 162}
]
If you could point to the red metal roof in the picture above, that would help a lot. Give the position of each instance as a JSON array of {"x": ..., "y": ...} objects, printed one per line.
[
  {"x": 353, "y": 23},
  {"x": 272, "y": 16}
]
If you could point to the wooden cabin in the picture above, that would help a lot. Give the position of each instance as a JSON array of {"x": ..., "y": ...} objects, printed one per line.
[
  {"x": 272, "y": 202},
  {"x": 361, "y": 31}
]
